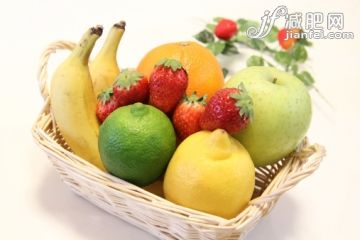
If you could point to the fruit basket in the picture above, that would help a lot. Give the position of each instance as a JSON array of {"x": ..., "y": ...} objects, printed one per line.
[{"x": 153, "y": 213}]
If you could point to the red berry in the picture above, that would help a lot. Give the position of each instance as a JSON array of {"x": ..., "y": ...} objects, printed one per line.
[
  {"x": 168, "y": 83},
  {"x": 187, "y": 115},
  {"x": 229, "y": 109},
  {"x": 130, "y": 87},
  {"x": 106, "y": 104},
  {"x": 285, "y": 40},
  {"x": 225, "y": 29}
]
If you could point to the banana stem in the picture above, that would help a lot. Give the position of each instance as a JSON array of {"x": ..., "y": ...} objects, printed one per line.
[
  {"x": 83, "y": 49},
  {"x": 98, "y": 30},
  {"x": 120, "y": 25}
]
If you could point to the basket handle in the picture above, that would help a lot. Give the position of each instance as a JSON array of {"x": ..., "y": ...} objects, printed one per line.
[
  {"x": 313, "y": 156},
  {"x": 42, "y": 75}
]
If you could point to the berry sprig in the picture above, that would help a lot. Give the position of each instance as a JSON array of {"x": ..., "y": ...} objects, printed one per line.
[{"x": 224, "y": 36}]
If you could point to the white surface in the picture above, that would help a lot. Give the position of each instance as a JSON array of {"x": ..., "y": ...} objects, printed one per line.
[{"x": 36, "y": 205}]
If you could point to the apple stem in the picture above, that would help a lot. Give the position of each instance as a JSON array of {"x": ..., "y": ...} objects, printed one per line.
[{"x": 274, "y": 80}]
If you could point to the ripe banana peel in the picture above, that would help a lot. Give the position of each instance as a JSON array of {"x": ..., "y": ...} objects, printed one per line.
[
  {"x": 104, "y": 68},
  {"x": 73, "y": 101}
]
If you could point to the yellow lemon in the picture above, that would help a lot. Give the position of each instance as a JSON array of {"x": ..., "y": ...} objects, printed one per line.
[{"x": 211, "y": 172}]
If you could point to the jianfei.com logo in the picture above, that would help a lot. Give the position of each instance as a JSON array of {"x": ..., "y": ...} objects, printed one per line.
[{"x": 310, "y": 23}]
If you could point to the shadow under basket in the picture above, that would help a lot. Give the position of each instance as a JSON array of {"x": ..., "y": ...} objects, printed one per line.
[{"x": 151, "y": 212}]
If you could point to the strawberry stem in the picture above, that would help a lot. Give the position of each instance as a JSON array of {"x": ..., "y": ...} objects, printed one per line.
[
  {"x": 193, "y": 98},
  {"x": 244, "y": 102},
  {"x": 170, "y": 63},
  {"x": 105, "y": 95},
  {"x": 127, "y": 78}
]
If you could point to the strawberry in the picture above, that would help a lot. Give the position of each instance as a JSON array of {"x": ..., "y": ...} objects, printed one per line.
[
  {"x": 186, "y": 118},
  {"x": 106, "y": 104},
  {"x": 230, "y": 109},
  {"x": 168, "y": 83},
  {"x": 225, "y": 29},
  {"x": 287, "y": 42},
  {"x": 130, "y": 87}
]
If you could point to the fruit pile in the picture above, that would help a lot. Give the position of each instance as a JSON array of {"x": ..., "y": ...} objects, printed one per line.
[{"x": 173, "y": 119}]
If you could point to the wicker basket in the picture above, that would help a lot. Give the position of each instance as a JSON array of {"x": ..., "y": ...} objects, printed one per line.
[{"x": 153, "y": 213}]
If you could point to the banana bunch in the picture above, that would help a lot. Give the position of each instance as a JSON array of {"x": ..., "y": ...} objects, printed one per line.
[{"x": 74, "y": 87}]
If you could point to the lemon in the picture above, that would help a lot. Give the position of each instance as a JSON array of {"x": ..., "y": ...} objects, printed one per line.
[
  {"x": 136, "y": 143},
  {"x": 211, "y": 172}
]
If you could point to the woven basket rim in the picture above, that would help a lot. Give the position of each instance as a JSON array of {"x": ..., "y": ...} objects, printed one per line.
[{"x": 139, "y": 194}]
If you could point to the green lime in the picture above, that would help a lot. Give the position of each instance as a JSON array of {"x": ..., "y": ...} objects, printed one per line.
[{"x": 136, "y": 143}]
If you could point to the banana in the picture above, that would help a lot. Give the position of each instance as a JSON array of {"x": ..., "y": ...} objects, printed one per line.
[
  {"x": 73, "y": 102},
  {"x": 104, "y": 69}
]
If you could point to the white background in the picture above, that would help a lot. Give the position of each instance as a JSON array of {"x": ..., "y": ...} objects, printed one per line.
[{"x": 36, "y": 205}]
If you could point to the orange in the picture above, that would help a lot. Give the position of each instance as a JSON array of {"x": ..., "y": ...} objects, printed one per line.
[{"x": 204, "y": 71}]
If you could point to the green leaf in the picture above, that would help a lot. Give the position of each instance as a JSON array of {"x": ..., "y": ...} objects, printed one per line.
[
  {"x": 242, "y": 38},
  {"x": 225, "y": 71},
  {"x": 204, "y": 36},
  {"x": 254, "y": 43},
  {"x": 210, "y": 27},
  {"x": 257, "y": 44},
  {"x": 241, "y": 21},
  {"x": 255, "y": 61},
  {"x": 217, "y": 19},
  {"x": 305, "y": 42},
  {"x": 216, "y": 47},
  {"x": 306, "y": 78},
  {"x": 294, "y": 68},
  {"x": 244, "y": 24},
  {"x": 299, "y": 53},
  {"x": 272, "y": 37},
  {"x": 284, "y": 58},
  {"x": 230, "y": 49}
]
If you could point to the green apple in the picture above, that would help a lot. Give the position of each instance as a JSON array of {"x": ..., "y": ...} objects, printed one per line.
[{"x": 282, "y": 113}]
